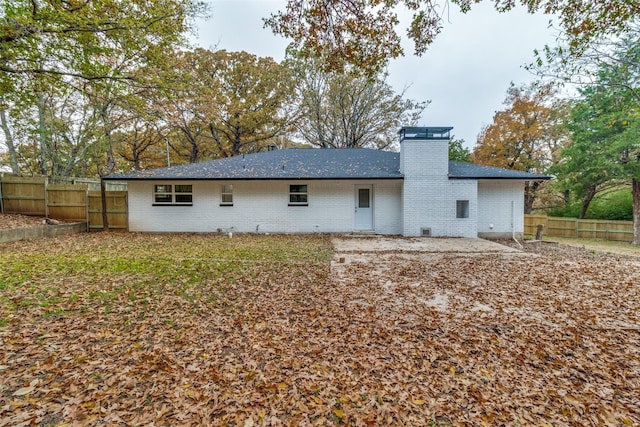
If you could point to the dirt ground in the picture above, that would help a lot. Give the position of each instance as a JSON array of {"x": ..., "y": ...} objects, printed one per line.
[{"x": 543, "y": 307}]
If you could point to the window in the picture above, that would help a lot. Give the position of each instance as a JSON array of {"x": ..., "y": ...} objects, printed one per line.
[
  {"x": 298, "y": 195},
  {"x": 162, "y": 194},
  {"x": 462, "y": 209},
  {"x": 180, "y": 194},
  {"x": 363, "y": 198},
  {"x": 226, "y": 195},
  {"x": 183, "y": 194}
]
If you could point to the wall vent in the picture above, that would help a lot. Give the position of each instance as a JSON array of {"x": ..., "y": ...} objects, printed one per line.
[{"x": 425, "y": 232}]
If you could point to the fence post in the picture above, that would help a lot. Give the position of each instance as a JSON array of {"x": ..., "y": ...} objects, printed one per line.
[
  {"x": 46, "y": 197},
  {"x": 1, "y": 201},
  {"x": 126, "y": 204},
  {"x": 546, "y": 225},
  {"x": 86, "y": 210}
]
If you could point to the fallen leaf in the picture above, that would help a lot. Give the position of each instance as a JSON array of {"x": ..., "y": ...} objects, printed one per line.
[{"x": 24, "y": 391}]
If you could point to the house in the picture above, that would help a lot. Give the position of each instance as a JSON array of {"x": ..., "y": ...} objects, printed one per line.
[{"x": 416, "y": 192}]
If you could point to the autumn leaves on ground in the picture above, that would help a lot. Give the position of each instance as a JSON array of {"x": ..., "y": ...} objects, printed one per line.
[{"x": 134, "y": 329}]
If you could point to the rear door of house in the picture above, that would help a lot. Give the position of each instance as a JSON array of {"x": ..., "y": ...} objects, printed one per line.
[{"x": 364, "y": 208}]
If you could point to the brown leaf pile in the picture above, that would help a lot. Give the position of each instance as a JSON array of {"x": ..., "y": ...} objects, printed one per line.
[
  {"x": 10, "y": 221},
  {"x": 231, "y": 335}
]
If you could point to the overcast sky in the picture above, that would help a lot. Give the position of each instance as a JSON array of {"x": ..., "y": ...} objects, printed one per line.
[{"x": 465, "y": 73}]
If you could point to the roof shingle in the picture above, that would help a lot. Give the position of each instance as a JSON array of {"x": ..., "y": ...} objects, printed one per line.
[{"x": 298, "y": 163}]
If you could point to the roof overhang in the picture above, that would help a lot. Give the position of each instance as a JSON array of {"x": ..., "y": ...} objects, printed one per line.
[
  {"x": 500, "y": 178},
  {"x": 292, "y": 178}
]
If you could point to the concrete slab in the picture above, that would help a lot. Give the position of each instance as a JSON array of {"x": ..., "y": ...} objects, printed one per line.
[{"x": 360, "y": 244}]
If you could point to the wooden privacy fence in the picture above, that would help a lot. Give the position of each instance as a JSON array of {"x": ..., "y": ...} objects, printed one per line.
[
  {"x": 70, "y": 202},
  {"x": 117, "y": 212},
  {"x": 621, "y": 231}
]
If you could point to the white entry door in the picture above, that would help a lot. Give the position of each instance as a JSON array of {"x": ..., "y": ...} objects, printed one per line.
[{"x": 364, "y": 207}]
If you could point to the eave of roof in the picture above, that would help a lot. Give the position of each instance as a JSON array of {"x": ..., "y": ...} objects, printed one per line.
[{"x": 462, "y": 170}]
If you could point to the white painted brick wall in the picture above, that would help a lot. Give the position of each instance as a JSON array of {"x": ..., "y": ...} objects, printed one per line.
[
  {"x": 425, "y": 199},
  {"x": 496, "y": 201},
  {"x": 262, "y": 206},
  {"x": 429, "y": 197}
]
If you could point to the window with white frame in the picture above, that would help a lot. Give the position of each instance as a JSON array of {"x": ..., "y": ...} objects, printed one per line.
[
  {"x": 462, "y": 209},
  {"x": 173, "y": 195},
  {"x": 298, "y": 195},
  {"x": 226, "y": 195}
]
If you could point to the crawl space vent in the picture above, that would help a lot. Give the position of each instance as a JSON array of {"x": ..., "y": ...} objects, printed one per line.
[{"x": 425, "y": 232}]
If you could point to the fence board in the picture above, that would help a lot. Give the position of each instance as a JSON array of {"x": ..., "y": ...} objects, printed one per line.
[
  {"x": 35, "y": 196},
  {"x": 24, "y": 195},
  {"x": 621, "y": 231},
  {"x": 67, "y": 202},
  {"x": 117, "y": 210},
  {"x": 531, "y": 223}
]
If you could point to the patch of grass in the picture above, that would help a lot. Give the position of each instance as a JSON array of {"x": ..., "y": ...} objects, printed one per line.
[
  {"x": 110, "y": 271},
  {"x": 598, "y": 245},
  {"x": 58, "y": 312}
]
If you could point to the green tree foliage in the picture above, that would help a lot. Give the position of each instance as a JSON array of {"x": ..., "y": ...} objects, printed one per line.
[
  {"x": 251, "y": 104},
  {"x": 222, "y": 104},
  {"x": 614, "y": 204},
  {"x": 458, "y": 152},
  {"x": 525, "y": 136},
  {"x": 54, "y": 54},
  {"x": 347, "y": 110},
  {"x": 365, "y": 32},
  {"x": 586, "y": 166},
  {"x": 84, "y": 38},
  {"x": 605, "y": 126}
]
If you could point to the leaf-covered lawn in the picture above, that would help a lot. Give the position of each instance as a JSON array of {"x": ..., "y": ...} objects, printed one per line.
[{"x": 115, "y": 329}]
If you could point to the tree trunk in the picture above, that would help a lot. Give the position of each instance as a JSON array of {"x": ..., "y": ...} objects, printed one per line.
[
  {"x": 635, "y": 185},
  {"x": 43, "y": 134},
  {"x": 8, "y": 137},
  {"x": 591, "y": 192},
  {"x": 194, "y": 153},
  {"x": 236, "y": 140},
  {"x": 530, "y": 189},
  {"x": 111, "y": 158},
  {"x": 103, "y": 199}
]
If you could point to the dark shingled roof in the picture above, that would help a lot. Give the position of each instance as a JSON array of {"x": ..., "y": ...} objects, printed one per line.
[
  {"x": 295, "y": 163},
  {"x": 299, "y": 163},
  {"x": 461, "y": 170}
]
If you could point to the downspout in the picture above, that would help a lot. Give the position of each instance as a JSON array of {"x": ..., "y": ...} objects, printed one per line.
[{"x": 513, "y": 224}]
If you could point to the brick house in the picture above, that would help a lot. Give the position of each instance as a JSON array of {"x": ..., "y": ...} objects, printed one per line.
[{"x": 417, "y": 192}]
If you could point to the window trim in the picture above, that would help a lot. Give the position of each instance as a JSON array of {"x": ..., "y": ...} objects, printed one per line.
[
  {"x": 223, "y": 193},
  {"x": 299, "y": 193},
  {"x": 173, "y": 193},
  {"x": 462, "y": 209}
]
